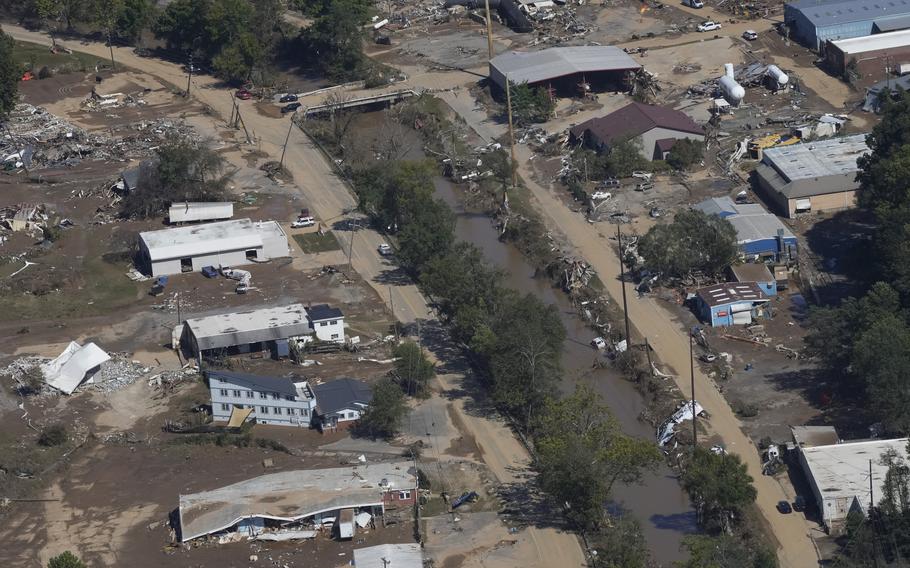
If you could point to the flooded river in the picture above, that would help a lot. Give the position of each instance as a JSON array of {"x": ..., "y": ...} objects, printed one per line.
[{"x": 659, "y": 503}]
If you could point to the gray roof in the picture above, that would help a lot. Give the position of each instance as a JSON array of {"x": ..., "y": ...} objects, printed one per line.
[
  {"x": 341, "y": 394},
  {"x": 751, "y": 221},
  {"x": 893, "y": 24},
  {"x": 321, "y": 312},
  {"x": 731, "y": 293},
  {"x": 281, "y": 385},
  {"x": 824, "y": 13},
  {"x": 751, "y": 272},
  {"x": 241, "y": 328},
  {"x": 806, "y": 187},
  {"x": 407, "y": 555},
  {"x": 831, "y": 157},
  {"x": 130, "y": 177},
  {"x": 808, "y": 436},
  {"x": 291, "y": 496},
  {"x": 537, "y": 66}
]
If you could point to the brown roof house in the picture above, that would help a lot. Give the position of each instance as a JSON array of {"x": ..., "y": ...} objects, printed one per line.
[{"x": 656, "y": 128}]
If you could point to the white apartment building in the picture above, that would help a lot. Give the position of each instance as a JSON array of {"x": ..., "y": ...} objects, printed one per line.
[{"x": 274, "y": 400}]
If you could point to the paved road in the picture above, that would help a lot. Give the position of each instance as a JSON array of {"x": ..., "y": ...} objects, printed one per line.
[{"x": 330, "y": 199}]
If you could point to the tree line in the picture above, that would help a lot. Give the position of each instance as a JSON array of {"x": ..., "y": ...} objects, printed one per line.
[{"x": 237, "y": 40}]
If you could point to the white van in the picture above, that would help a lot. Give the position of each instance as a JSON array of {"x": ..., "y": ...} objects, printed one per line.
[{"x": 694, "y": 3}]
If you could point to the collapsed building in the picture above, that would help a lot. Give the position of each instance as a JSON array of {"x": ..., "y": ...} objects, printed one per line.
[{"x": 299, "y": 502}]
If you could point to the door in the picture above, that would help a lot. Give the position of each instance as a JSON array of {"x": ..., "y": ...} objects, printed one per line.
[
  {"x": 742, "y": 318},
  {"x": 803, "y": 205}
]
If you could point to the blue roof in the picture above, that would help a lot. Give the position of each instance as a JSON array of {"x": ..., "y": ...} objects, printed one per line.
[{"x": 824, "y": 13}]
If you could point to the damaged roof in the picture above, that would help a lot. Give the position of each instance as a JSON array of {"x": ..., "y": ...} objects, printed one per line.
[
  {"x": 240, "y": 328},
  {"x": 69, "y": 369},
  {"x": 635, "y": 119},
  {"x": 291, "y": 496}
]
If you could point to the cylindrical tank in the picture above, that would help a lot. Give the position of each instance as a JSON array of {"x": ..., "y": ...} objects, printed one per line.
[
  {"x": 775, "y": 73},
  {"x": 732, "y": 90},
  {"x": 728, "y": 70}
]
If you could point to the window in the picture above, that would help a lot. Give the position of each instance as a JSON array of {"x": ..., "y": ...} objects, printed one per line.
[
  {"x": 263, "y": 396},
  {"x": 288, "y": 397},
  {"x": 249, "y": 394},
  {"x": 237, "y": 393},
  {"x": 323, "y": 324},
  {"x": 276, "y": 396},
  {"x": 304, "y": 412},
  {"x": 404, "y": 495},
  {"x": 277, "y": 410},
  {"x": 334, "y": 322},
  {"x": 264, "y": 409},
  {"x": 223, "y": 392},
  {"x": 334, "y": 336},
  {"x": 291, "y": 412},
  {"x": 225, "y": 406}
]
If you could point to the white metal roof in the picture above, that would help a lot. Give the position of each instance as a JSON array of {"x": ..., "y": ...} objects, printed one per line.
[
  {"x": 197, "y": 240},
  {"x": 234, "y": 328},
  {"x": 185, "y": 211},
  {"x": 291, "y": 495},
  {"x": 389, "y": 556},
  {"x": 68, "y": 370},
  {"x": 731, "y": 292},
  {"x": 536, "y": 66},
  {"x": 889, "y": 40},
  {"x": 842, "y": 470},
  {"x": 832, "y": 157}
]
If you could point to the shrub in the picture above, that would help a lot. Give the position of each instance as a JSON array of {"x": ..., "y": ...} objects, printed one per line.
[{"x": 53, "y": 435}]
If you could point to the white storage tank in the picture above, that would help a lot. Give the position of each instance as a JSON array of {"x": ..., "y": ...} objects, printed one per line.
[
  {"x": 732, "y": 90},
  {"x": 777, "y": 75}
]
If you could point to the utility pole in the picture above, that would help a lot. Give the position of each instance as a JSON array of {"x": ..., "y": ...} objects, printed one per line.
[
  {"x": 511, "y": 134},
  {"x": 110, "y": 44},
  {"x": 692, "y": 386},
  {"x": 650, "y": 364},
  {"x": 189, "y": 74},
  {"x": 872, "y": 519},
  {"x": 286, "y": 138},
  {"x": 489, "y": 29},
  {"x": 622, "y": 278}
]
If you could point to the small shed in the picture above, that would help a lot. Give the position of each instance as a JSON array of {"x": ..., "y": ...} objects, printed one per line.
[
  {"x": 757, "y": 273},
  {"x": 189, "y": 212},
  {"x": 346, "y": 524},
  {"x": 731, "y": 303}
]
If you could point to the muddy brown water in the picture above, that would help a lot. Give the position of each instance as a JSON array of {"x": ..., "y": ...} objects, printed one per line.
[{"x": 659, "y": 503}]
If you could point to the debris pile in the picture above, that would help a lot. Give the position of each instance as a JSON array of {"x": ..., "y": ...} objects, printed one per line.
[
  {"x": 118, "y": 372},
  {"x": 99, "y": 102}
]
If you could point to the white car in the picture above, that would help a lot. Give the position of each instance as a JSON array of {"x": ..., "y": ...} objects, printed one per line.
[
  {"x": 303, "y": 222},
  {"x": 750, "y": 35},
  {"x": 642, "y": 175},
  {"x": 601, "y": 195},
  {"x": 708, "y": 26},
  {"x": 384, "y": 249}
]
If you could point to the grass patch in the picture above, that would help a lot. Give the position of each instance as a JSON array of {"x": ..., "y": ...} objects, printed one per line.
[
  {"x": 31, "y": 56},
  {"x": 314, "y": 242},
  {"x": 227, "y": 439}
]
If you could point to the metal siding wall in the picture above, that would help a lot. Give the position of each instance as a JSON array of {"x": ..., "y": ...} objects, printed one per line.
[
  {"x": 232, "y": 258},
  {"x": 759, "y": 247},
  {"x": 165, "y": 267}
]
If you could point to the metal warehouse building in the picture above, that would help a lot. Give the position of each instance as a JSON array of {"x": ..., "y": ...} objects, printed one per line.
[
  {"x": 813, "y": 22},
  {"x": 758, "y": 233},
  {"x": 811, "y": 176},
  {"x": 226, "y": 243},
  {"x": 871, "y": 56},
  {"x": 600, "y": 66},
  {"x": 731, "y": 303}
]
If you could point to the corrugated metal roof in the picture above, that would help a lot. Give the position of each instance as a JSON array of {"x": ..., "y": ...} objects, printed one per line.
[
  {"x": 824, "y": 13},
  {"x": 241, "y": 328},
  {"x": 198, "y": 240},
  {"x": 751, "y": 221},
  {"x": 536, "y": 66},
  {"x": 751, "y": 272},
  {"x": 731, "y": 293},
  {"x": 892, "y": 24},
  {"x": 831, "y": 157},
  {"x": 890, "y": 40},
  {"x": 185, "y": 211}
]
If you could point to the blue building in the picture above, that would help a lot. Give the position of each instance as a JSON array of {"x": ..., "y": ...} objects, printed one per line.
[
  {"x": 813, "y": 22},
  {"x": 759, "y": 234},
  {"x": 757, "y": 273},
  {"x": 731, "y": 303}
]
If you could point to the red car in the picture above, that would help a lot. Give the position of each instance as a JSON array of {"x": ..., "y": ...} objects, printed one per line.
[{"x": 243, "y": 95}]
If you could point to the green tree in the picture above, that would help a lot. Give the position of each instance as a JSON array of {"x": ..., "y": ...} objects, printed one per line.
[
  {"x": 182, "y": 25},
  {"x": 621, "y": 545},
  {"x": 725, "y": 551},
  {"x": 185, "y": 171},
  {"x": 66, "y": 560},
  {"x": 9, "y": 76},
  {"x": 881, "y": 357},
  {"x": 583, "y": 453},
  {"x": 685, "y": 153},
  {"x": 391, "y": 193},
  {"x": 719, "y": 486},
  {"x": 133, "y": 18},
  {"x": 413, "y": 368},
  {"x": 523, "y": 354},
  {"x": 428, "y": 233},
  {"x": 382, "y": 418},
  {"x": 530, "y": 104},
  {"x": 53, "y": 435},
  {"x": 336, "y": 39},
  {"x": 693, "y": 242},
  {"x": 623, "y": 158}
]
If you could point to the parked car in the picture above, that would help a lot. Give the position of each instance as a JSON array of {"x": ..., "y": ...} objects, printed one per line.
[
  {"x": 784, "y": 507},
  {"x": 708, "y": 357},
  {"x": 290, "y": 108},
  {"x": 644, "y": 186},
  {"x": 243, "y": 95},
  {"x": 384, "y": 249},
  {"x": 209, "y": 271},
  {"x": 708, "y": 26},
  {"x": 610, "y": 182},
  {"x": 750, "y": 35},
  {"x": 694, "y": 3},
  {"x": 288, "y": 98},
  {"x": 303, "y": 222},
  {"x": 642, "y": 175},
  {"x": 601, "y": 195},
  {"x": 799, "y": 504}
]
